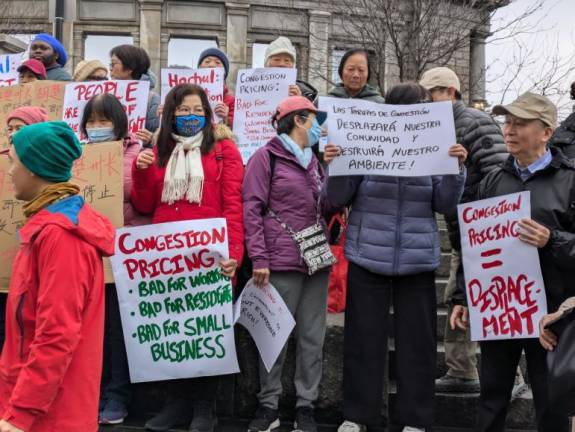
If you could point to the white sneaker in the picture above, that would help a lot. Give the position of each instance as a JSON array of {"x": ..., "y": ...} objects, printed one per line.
[
  {"x": 348, "y": 426},
  {"x": 412, "y": 429}
]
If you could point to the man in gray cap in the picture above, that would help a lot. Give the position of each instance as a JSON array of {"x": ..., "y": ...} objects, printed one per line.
[
  {"x": 483, "y": 141},
  {"x": 550, "y": 178}
]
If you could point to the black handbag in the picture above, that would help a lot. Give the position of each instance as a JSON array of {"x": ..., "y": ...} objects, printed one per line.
[{"x": 561, "y": 366}]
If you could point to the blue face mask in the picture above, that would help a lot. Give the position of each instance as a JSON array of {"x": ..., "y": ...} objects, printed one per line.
[
  {"x": 98, "y": 135},
  {"x": 189, "y": 125},
  {"x": 313, "y": 133}
]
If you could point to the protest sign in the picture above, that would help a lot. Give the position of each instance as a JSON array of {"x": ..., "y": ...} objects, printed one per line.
[
  {"x": 258, "y": 93},
  {"x": 211, "y": 80},
  {"x": 9, "y": 64},
  {"x": 46, "y": 94},
  {"x": 391, "y": 140},
  {"x": 263, "y": 312},
  {"x": 132, "y": 94},
  {"x": 503, "y": 280},
  {"x": 175, "y": 304},
  {"x": 98, "y": 173}
]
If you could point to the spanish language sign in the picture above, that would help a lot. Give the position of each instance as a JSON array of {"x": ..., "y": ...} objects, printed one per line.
[
  {"x": 9, "y": 64},
  {"x": 176, "y": 306},
  {"x": 391, "y": 140},
  {"x": 46, "y": 94},
  {"x": 132, "y": 94},
  {"x": 211, "y": 80},
  {"x": 265, "y": 315},
  {"x": 258, "y": 93},
  {"x": 99, "y": 174},
  {"x": 503, "y": 280}
]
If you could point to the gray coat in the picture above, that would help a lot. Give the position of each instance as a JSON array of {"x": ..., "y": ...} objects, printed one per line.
[
  {"x": 368, "y": 93},
  {"x": 58, "y": 73},
  {"x": 392, "y": 229}
]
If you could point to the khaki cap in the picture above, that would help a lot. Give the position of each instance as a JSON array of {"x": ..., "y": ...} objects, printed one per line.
[
  {"x": 530, "y": 106},
  {"x": 440, "y": 77}
]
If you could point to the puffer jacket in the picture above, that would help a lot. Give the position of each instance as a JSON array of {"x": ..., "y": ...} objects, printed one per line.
[
  {"x": 564, "y": 137},
  {"x": 481, "y": 136},
  {"x": 307, "y": 90},
  {"x": 392, "y": 228},
  {"x": 368, "y": 93}
]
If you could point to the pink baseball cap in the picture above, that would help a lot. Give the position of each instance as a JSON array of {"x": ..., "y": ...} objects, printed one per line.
[
  {"x": 298, "y": 103},
  {"x": 34, "y": 66}
]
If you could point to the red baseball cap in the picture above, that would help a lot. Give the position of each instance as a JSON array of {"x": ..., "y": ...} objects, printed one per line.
[
  {"x": 34, "y": 66},
  {"x": 298, "y": 103}
]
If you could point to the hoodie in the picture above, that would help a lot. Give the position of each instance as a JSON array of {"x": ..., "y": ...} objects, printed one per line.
[{"x": 52, "y": 359}]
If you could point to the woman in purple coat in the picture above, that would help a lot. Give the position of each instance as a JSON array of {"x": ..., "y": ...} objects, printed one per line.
[{"x": 282, "y": 198}]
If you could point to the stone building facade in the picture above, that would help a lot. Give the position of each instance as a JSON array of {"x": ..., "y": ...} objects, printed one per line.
[{"x": 313, "y": 26}]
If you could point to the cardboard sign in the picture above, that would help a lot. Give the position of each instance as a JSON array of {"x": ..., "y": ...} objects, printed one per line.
[
  {"x": 258, "y": 93},
  {"x": 263, "y": 312},
  {"x": 9, "y": 63},
  {"x": 99, "y": 173},
  {"x": 176, "y": 306},
  {"x": 132, "y": 94},
  {"x": 391, "y": 140},
  {"x": 505, "y": 290},
  {"x": 46, "y": 94},
  {"x": 211, "y": 80}
]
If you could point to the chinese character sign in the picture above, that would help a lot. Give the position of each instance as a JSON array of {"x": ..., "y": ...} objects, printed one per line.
[
  {"x": 504, "y": 285},
  {"x": 175, "y": 304}
]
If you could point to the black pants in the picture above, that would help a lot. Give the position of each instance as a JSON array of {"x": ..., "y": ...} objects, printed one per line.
[
  {"x": 365, "y": 346},
  {"x": 499, "y": 360}
]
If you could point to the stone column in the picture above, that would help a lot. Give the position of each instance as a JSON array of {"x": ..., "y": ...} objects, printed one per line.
[
  {"x": 477, "y": 69},
  {"x": 318, "y": 64},
  {"x": 236, "y": 39},
  {"x": 150, "y": 30}
]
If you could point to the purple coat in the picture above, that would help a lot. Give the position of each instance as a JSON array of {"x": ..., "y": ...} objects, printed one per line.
[{"x": 293, "y": 197}]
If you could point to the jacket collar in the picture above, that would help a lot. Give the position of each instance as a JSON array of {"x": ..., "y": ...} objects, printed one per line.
[
  {"x": 458, "y": 108},
  {"x": 276, "y": 147},
  {"x": 559, "y": 161}
]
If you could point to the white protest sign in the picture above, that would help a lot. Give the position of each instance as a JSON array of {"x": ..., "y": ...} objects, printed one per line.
[
  {"x": 265, "y": 315},
  {"x": 9, "y": 64},
  {"x": 391, "y": 140},
  {"x": 176, "y": 306},
  {"x": 258, "y": 93},
  {"x": 503, "y": 280},
  {"x": 132, "y": 94},
  {"x": 211, "y": 80}
]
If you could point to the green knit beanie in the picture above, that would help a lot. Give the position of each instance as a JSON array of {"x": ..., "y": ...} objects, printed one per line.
[{"x": 48, "y": 149}]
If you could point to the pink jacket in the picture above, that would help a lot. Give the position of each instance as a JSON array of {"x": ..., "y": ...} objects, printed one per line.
[{"x": 132, "y": 148}]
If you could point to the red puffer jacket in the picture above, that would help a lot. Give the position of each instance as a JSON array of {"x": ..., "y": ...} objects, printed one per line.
[
  {"x": 52, "y": 358},
  {"x": 222, "y": 195}
]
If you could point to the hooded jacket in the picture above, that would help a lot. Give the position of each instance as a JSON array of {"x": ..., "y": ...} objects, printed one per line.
[
  {"x": 52, "y": 358},
  {"x": 564, "y": 137}
]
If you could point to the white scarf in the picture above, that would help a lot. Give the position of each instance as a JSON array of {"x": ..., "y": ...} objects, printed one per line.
[{"x": 184, "y": 176}]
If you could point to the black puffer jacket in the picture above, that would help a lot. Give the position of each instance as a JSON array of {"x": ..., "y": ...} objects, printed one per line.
[
  {"x": 553, "y": 205},
  {"x": 482, "y": 138},
  {"x": 564, "y": 137},
  {"x": 307, "y": 90}
]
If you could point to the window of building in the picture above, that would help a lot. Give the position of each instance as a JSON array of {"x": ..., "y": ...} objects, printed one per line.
[
  {"x": 184, "y": 52},
  {"x": 98, "y": 47},
  {"x": 259, "y": 55},
  {"x": 335, "y": 59}
]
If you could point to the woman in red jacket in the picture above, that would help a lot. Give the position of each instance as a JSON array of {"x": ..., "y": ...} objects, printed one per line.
[{"x": 194, "y": 172}]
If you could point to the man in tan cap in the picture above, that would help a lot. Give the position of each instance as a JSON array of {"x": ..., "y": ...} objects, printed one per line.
[
  {"x": 550, "y": 178},
  {"x": 482, "y": 138}
]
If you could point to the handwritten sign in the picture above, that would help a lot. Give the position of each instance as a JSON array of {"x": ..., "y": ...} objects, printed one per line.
[
  {"x": 393, "y": 140},
  {"x": 211, "y": 80},
  {"x": 46, "y": 94},
  {"x": 98, "y": 173},
  {"x": 258, "y": 93},
  {"x": 505, "y": 290},
  {"x": 9, "y": 63},
  {"x": 175, "y": 304},
  {"x": 132, "y": 94},
  {"x": 265, "y": 315}
]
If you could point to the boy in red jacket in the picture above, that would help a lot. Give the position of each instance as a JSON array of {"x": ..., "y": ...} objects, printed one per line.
[{"x": 51, "y": 363}]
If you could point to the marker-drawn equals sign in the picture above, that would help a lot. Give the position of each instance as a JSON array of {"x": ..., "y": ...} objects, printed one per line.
[{"x": 488, "y": 254}]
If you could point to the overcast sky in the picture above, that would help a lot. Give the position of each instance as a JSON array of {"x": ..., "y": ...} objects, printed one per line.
[{"x": 552, "y": 37}]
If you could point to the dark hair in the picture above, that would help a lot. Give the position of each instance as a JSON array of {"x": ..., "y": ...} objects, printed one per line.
[
  {"x": 458, "y": 95},
  {"x": 174, "y": 99},
  {"x": 406, "y": 94},
  {"x": 573, "y": 90},
  {"x": 25, "y": 68},
  {"x": 109, "y": 107},
  {"x": 350, "y": 53},
  {"x": 134, "y": 58},
  {"x": 287, "y": 123}
]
